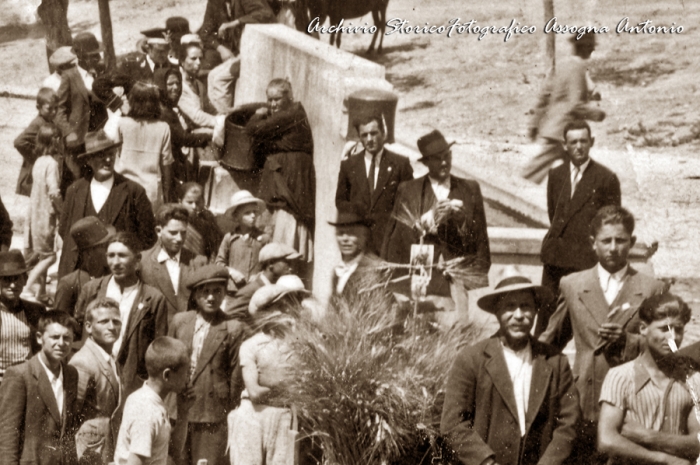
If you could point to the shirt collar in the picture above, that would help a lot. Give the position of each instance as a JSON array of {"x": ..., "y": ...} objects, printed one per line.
[
  {"x": 108, "y": 183},
  {"x": 618, "y": 275},
  {"x": 377, "y": 157},
  {"x": 522, "y": 353},
  {"x": 113, "y": 283},
  {"x": 52, "y": 378},
  {"x": 163, "y": 256},
  {"x": 446, "y": 183},
  {"x": 354, "y": 261},
  {"x": 641, "y": 375},
  {"x": 151, "y": 64},
  {"x": 264, "y": 279},
  {"x": 582, "y": 168}
]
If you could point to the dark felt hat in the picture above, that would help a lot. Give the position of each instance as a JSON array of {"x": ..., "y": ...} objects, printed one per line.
[
  {"x": 90, "y": 232},
  {"x": 96, "y": 142},
  {"x": 489, "y": 301},
  {"x": 207, "y": 274},
  {"x": 177, "y": 25},
  {"x": 154, "y": 32},
  {"x": 433, "y": 144},
  {"x": 351, "y": 219},
  {"x": 12, "y": 263},
  {"x": 86, "y": 43}
]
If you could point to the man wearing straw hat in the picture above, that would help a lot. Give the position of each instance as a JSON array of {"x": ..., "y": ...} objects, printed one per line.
[{"x": 511, "y": 399}]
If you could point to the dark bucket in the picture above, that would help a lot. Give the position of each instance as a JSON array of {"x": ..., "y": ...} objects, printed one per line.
[{"x": 237, "y": 154}]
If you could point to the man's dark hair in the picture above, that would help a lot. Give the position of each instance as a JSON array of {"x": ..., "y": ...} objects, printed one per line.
[
  {"x": 577, "y": 124},
  {"x": 186, "y": 48},
  {"x": 96, "y": 304},
  {"x": 46, "y": 95},
  {"x": 56, "y": 316},
  {"x": 172, "y": 211},
  {"x": 366, "y": 118},
  {"x": 165, "y": 352},
  {"x": 144, "y": 102},
  {"x": 664, "y": 305},
  {"x": 612, "y": 214},
  {"x": 128, "y": 239}
]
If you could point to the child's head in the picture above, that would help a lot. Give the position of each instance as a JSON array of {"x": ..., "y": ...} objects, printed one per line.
[
  {"x": 168, "y": 364},
  {"x": 663, "y": 317},
  {"x": 208, "y": 285},
  {"x": 612, "y": 237},
  {"x": 55, "y": 333},
  {"x": 48, "y": 140},
  {"x": 245, "y": 209},
  {"x": 47, "y": 103},
  {"x": 192, "y": 197}
]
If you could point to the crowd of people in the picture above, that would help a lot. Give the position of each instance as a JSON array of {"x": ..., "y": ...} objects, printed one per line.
[{"x": 165, "y": 339}]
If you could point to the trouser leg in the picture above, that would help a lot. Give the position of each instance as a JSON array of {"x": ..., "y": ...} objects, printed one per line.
[
  {"x": 537, "y": 168},
  {"x": 207, "y": 441}
]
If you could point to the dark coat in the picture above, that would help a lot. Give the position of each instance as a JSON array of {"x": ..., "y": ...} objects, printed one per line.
[
  {"x": 32, "y": 432},
  {"x": 137, "y": 69},
  {"x": 68, "y": 289},
  {"x": 221, "y": 11},
  {"x": 581, "y": 309},
  {"x": 365, "y": 274},
  {"x": 32, "y": 311},
  {"x": 457, "y": 238},
  {"x": 352, "y": 192},
  {"x": 480, "y": 417},
  {"x": 5, "y": 226},
  {"x": 237, "y": 309},
  {"x": 156, "y": 274},
  {"x": 127, "y": 209},
  {"x": 148, "y": 320},
  {"x": 79, "y": 110},
  {"x": 179, "y": 137},
  {"x": 25, "y": 144},
  {"x": 567, "y": 243}
]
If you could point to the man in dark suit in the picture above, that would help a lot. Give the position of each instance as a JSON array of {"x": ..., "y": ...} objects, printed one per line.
[
  {"x": 576, "y": 190},
  {"x": 144, "y": 306},
  {"x": 511, "y": 399},
  {"x": 215, "y": 380},
  {"x": 450, "y": 212},
  {"x": 167, "y": 265},
  {"x": 143, "y": 67},
  {"x": 107, "y": 195},
  {"x": 38, "y": 418},
  {"x": 368, "y": 181},
  {"x": 598, "y": 307}
]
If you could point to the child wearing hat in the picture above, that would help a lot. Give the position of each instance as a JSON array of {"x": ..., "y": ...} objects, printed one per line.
[{"x": 240, "y": 248}]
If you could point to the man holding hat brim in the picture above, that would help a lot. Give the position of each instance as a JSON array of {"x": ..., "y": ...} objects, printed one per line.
[
  {"x": 18, "y": 318},
  {"x": 109, "y": 196},
  {"x": 450, "y": 212},
  {"x": 62, "y": 59},
  {"x": 214, "y": 383},
  {"x": 509, "y": 398},
  {"x": 90, "y": 236}
]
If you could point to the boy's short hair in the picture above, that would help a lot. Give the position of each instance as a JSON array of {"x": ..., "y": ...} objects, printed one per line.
[
  {"x": 366, "y": 118},
  {"x": 56, "y": 316},
  {"x": 46, "y": 95},
  {"x": 104, "y": 302},
  {"x": 575, "y": 125},
  {"x": 172, "y": 211},
  {"x": 165, "y": 352},
  {"x": 664, "y": 305},
  {"x": 188, "y": 186},
  {"x": 612, "y": 214}
]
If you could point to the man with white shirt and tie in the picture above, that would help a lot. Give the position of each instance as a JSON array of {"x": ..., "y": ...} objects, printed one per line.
[
  {"x": 598, "y": 308},
  {"x": 576, "y": 190},
  {"x": 109, "y": 196},
  {"x": 99, "y": 392}
]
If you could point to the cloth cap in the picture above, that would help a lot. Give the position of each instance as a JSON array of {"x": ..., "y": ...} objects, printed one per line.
[
  {"x": 62, "y": 57},
  {"x": 86, "y": 43},
  {"x": 351, "y": 219},
  {"x": 433, "y": 144},
  {"x": 12, "y": 263},
  {"x": 277, "y": 251},
  {"x": 244, "y": 197},
  {"x": 207, "y": 274},
  {"x": 90, "y": 232},
  {"x": 489, "y": 302},
  {"x": 96, "y": 142},
  {"x": 271, "y": 293}
]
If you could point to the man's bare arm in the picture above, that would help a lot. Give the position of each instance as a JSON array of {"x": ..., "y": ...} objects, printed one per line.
[{"x": 680, "y": 445}]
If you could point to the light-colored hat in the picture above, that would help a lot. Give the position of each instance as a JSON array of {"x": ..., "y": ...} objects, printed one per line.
[
  {"x": 63, "y": 56},
  {"x": 241, "y": 198},
  {"x": 489, "y": 302},
  {"x": 271, "y": 293},
  {"x": 277, "y": 251},
  {"x": 157, "y": 41},
  {"x": 189, "y": 39}
]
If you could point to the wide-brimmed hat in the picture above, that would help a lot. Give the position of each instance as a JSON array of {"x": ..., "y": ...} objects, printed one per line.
[
  {"x": 351, "y": 219},
  {"x": 96, "y": 142},
  {"x": 277, "y": 251},
  {"x": 85, "y": 43},
  {"x": 62, "y": 56},
  {"x": 433, "y": 144},
  {"x": 12, "y": 263},
  {"x": 207, "y": 274},
  {"x": 241, "y": 198},
  {"x": 489, "y": 301},
  {"x": 271, "y": 293},
  {"x": 90, "y": 232},
  {"x": 177, "y": 25}
]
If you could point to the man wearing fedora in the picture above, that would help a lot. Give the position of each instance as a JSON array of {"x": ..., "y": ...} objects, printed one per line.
[
  {"x": 109, "y": 196},
  {"x": 449, "y": 213},
  {"x": 368, "y": 181},
  {"x": 90, "y": 236},
  {"x": 18, "y": 318},
  {"x": 509, "y": 398}
]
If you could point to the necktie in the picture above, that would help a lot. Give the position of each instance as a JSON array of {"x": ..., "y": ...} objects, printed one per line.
[
  {"x": 370, "y": 177},
  {"x": 575, "y": 179}
]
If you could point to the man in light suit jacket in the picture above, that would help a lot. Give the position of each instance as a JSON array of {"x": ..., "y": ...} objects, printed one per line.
[
  {"x": 167, "y": 265},
  {"x": 576, "y": 190},
  {"x": 215, "y": 378},
  {"x": 598, "y": 308},
  {"x": 99, "y": 393},
  {"x": 510, "y": 399},
  {"x": 38, "y": 417},
  {"x": 368, "y": 181}
]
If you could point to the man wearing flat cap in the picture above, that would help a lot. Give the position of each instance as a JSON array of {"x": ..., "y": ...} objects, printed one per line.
[
  {"x": 214, "y": 380},
  {"x": 510, "y": 399},
  {"x": 18, "y": 318},
  {"x": 62, "y": 59},
  {"x": 448, "y": 212},
  {"x": 109, "y": 196}
]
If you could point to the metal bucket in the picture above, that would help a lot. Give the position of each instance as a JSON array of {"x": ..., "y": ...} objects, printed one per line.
[{"x": 237, "y": 154}]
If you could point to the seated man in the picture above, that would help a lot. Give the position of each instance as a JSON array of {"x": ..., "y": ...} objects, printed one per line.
[
  {"x": 511, "y": 399},
  {"x": 647, "y": 414}
]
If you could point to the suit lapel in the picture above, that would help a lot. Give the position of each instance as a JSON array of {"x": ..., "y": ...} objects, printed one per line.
[
  {"x": 359, "y": 172},
  {"x": 163, "y": 278},
  {"x": 116, "y": 198},
  {"x": 541, "y": 374},
  {"x": 44, "y": 388},
  {"x": 70, "y": 392},
  {"x": 105, "y": 368},
  {"x": 631, "y": 294},
  {"x": 384, "y": 170},
  {"x": 584, "y": 189},
  {"x": 212, "y": 342},
  {"x": 498, "y": 370},
  {"x": 428, "y": 199},
  {"x": 138, "y": 311},
  {"x": 80, "y": 85},
  {"x": 188, "y": 330},
  {"x": 593, "y": 298}
]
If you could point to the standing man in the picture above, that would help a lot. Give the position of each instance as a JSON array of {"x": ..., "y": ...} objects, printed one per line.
[
  {"x": 368, "y": 181},
  {"x": 566, "y": 97},
  {"x": 143, "y": 68},
  {"x": 451, "y": 213},
  {"x": 511, "y": 399},
  {"x": 598, "y": 308},
  {"x": 576, "y": 190},
  {"x": 38, "y": 418},
  {"x": 19, "y": 319},
  {"x": 109, "y": 196},
  {"x": 167, "y": 265},
  {"x": 99, "y": 393}
]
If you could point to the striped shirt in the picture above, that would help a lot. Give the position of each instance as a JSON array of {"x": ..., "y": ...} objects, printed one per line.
[
  {"x": 15, "y": 339},
  {"x": 631, "y": 388}
]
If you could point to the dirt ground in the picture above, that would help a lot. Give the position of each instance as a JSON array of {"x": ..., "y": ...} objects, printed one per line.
[{"x": 479, "y": 93}]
